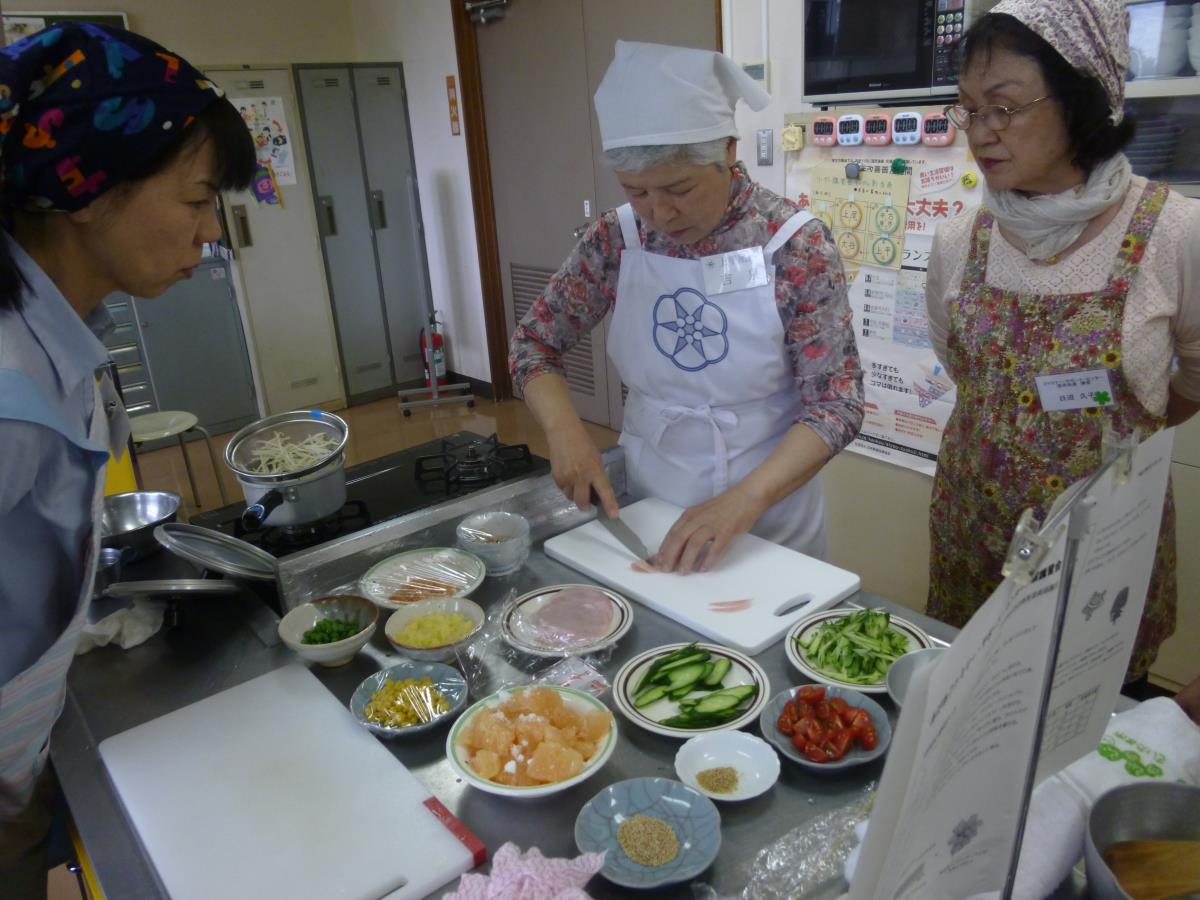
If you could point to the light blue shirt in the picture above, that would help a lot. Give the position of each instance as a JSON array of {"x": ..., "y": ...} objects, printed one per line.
[{"x": 48, "y": 469}]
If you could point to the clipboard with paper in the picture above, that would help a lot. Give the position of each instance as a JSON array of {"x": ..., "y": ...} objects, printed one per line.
[{"x": 1024, "y": 690}]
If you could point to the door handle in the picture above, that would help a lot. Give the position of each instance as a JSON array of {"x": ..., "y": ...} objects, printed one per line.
[
  {"x": 378, "y": 211},
  {"x": 581, "y": 230},
  {"x": 414, "y": 206},
  {"x": 241, "y": 221},
  {"x": 326, "y": 221}
]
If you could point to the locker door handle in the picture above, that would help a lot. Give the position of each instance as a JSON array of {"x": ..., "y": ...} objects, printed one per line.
[
  {"x": 415, "y": 210},
  {"x": 326, "y": 221},
  {"x": 378, "y": 211},
  {"x": 242, "y": 222}
]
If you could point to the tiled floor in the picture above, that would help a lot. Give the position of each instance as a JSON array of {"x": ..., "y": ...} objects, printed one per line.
[{"x": 376, "y": 429}]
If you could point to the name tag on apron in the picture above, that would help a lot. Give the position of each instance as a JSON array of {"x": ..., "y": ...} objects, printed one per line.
[
  {"x": 734, "y": 271},
  {"x": 1075, "y": 390}
]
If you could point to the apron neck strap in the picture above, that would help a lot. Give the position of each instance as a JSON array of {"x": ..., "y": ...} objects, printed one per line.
[
  {"x": 629, "y": 229},
  {"x": 785, "y": 233}
]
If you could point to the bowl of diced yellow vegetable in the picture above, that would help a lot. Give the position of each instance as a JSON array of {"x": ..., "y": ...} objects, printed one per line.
[
  {"x": 329, "y": 630},
  {"x": 409, "y": 698},
  {"x": 434, "y": 630}
]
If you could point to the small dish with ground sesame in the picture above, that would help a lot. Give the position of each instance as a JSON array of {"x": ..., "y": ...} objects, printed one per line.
[
  {"x": 727, "y": 765},
  {"x": 654, "y": 831}
]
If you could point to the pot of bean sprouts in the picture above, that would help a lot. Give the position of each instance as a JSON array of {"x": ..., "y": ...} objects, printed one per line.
[{"x": 291, "y": 467}]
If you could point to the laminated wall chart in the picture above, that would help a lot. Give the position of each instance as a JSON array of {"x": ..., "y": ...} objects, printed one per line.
[{"x": 883, "y": 225}]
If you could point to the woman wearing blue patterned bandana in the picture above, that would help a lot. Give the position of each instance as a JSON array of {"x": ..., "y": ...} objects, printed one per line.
[{"x": 112, "y": 151}]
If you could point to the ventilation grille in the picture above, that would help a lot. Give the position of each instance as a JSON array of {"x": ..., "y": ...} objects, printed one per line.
[
  {"x": 383, "y": 80},
  {"x": 528, "y": 282},
  {"x": 328, "y": 82}
]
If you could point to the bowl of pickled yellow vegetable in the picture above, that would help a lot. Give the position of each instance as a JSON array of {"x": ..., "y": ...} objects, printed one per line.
[
  {"x": 434, "y": 630},
  {"x": 408, "y": 698},
  {"x": 329, "y": 630}
]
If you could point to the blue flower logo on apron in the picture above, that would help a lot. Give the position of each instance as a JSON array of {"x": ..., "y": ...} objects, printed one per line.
[{"x": 690, "y": 330}]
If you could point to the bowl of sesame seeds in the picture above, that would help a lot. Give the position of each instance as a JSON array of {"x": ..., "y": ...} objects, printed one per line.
[
  {"x": 727, "y": 765},
  {"x": 653, "y": 831}
]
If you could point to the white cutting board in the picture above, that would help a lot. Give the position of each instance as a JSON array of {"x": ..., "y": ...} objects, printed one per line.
[
  {"x": 271, "y": 789},
  {"x": 773, "y": 578}
]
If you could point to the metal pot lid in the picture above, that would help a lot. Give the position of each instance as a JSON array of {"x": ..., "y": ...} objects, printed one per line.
[
  {"x": 128, "y": 590},
  {"x": 241, "y": 453},
  {"x": 216, "y": 551}
]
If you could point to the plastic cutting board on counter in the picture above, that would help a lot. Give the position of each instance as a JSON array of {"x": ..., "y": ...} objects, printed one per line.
[
  {"x": 780, "y": 584},
  {"x": 271, "y": 789}
]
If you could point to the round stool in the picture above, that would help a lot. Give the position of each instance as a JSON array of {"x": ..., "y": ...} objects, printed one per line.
[{"x": 176, "y": 423}]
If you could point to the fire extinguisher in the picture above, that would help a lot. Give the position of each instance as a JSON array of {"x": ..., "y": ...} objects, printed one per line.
[{"x": 433, "y": 352}]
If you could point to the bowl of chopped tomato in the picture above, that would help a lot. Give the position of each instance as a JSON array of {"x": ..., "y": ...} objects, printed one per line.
[{"x": 824, "y": 727}]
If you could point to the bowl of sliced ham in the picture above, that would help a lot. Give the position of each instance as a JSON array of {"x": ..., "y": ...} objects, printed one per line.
[{"x": 566, "y": 620}]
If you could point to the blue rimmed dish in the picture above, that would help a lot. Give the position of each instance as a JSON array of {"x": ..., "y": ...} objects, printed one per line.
[
  {"x": 855, "y": 756},
  {"x": 449, "y": 682},
  {"x": 691, "y": 815}
]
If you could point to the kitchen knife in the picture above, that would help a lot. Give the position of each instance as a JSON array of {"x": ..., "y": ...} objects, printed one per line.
[{"x": 618, "y": 529}]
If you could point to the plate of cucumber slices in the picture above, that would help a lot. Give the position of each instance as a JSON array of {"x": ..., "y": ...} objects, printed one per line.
[{"x": 681, "y": 690}]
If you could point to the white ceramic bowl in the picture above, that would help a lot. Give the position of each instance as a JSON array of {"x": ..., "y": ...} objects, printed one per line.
[
  {"x": 900, "y": 673},
  {"x": 500, "y": 539},
  {"x": 576, "y": 700},
  {"x": 401, "y": 617},
  {"x": 348, "y": 607},
  {"x": 756, "y": 763}
]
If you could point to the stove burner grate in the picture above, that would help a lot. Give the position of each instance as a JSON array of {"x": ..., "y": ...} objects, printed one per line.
[
  {"x": 471, "y": 462},
  {"x": 281, "y": 539}
]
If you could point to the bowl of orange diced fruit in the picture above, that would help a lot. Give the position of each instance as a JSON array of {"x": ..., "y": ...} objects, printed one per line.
[{"x": 531, "y": 741}]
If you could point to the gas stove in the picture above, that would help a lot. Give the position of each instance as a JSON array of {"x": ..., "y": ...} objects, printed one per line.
[{"x": 392, "y": 486}]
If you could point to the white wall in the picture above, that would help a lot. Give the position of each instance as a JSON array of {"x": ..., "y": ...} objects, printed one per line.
[
  {"x": 419, "y": 34},
  {"x": 222, "y": 32}
]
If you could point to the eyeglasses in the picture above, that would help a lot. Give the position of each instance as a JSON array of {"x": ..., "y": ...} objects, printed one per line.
[{"x": 994, "y": 117}]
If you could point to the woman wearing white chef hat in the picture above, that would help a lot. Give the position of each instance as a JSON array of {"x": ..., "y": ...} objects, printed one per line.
[{"x": 731, "y": 326}]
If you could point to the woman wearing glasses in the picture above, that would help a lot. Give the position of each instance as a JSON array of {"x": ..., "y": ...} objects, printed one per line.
[{"x": 1072, "y": 265}]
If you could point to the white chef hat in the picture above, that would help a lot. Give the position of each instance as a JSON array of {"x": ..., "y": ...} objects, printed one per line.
[{"x": 654, "y": 94}]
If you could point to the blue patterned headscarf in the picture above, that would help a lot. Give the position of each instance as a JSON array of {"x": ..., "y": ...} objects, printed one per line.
[{"x": 84, "y": 107}]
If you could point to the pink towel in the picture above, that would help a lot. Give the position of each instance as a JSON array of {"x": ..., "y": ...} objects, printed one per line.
[{"x": 530, "y": 876}]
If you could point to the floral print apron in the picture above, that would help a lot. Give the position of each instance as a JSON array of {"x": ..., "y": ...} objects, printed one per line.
[{"x": 1002, "y": 453}]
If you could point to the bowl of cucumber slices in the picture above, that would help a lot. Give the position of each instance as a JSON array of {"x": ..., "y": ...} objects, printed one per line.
[{"x": 681, "y": 690}]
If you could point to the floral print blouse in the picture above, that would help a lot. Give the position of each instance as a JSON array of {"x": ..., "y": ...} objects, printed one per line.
[{"x": 810, "y": 289}]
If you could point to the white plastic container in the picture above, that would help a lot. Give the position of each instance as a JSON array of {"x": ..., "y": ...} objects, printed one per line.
[{"x": 500, "y": 539}]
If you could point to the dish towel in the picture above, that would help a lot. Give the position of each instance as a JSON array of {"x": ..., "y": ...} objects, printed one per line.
[
  {"x": 1155, "y": 741},
  {"x": 530, "y": 876},
  {"x": 126, "y": 627}
]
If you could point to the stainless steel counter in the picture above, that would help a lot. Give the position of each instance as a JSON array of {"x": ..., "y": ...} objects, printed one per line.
[{"x": 222, "y": 642}]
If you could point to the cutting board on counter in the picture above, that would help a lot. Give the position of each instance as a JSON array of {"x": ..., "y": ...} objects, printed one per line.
[
  {"x": 781, "y": 585},
  {"x": 271, "y": 789}
]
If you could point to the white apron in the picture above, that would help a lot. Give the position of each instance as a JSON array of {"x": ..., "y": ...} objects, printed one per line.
[
  {"x": 711, "y": 390},
  {"x": 31, "y": 702}
]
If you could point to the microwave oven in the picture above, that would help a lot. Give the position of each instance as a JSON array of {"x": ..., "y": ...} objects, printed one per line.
[{"x": 860, "y": 51}]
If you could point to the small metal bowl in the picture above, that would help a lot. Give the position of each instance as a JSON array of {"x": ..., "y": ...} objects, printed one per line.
[
  {"x": 129, "y": 520},
  {"x": 1146, "y": 811}
]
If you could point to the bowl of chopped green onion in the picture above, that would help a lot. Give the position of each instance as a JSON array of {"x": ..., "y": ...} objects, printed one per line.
[{"x": 329, "y": 630}]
